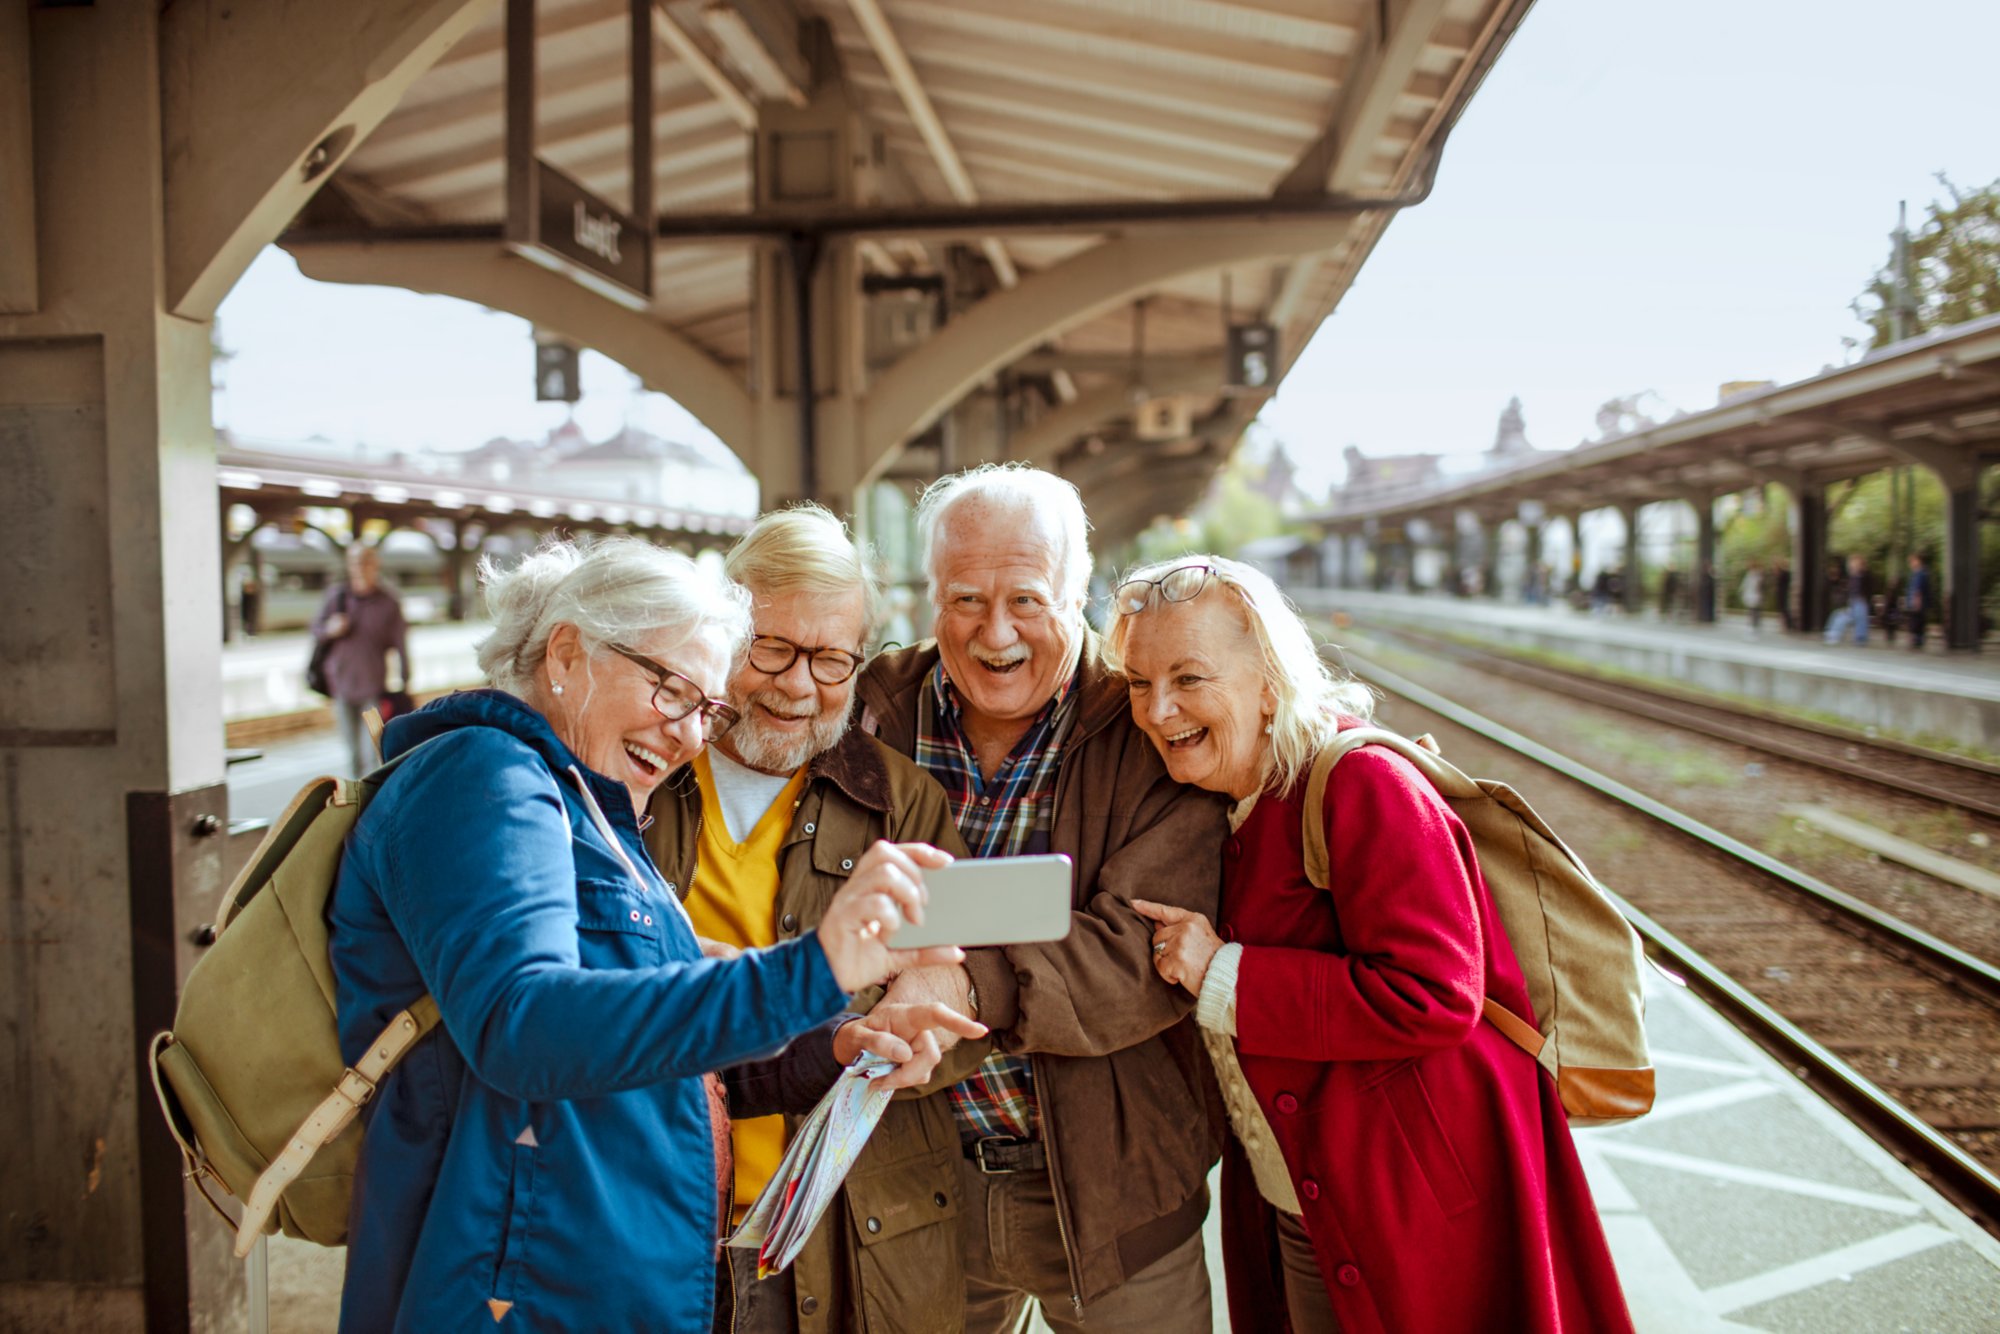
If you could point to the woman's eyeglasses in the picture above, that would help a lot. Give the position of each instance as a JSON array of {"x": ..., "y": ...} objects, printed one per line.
[
  {"x": 774, "y": 655},
  {"x": 1180, "y": 584},
  {"x": 675, "y": 697}
]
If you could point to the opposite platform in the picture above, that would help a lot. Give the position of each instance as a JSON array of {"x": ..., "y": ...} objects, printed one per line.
[{"x": 1933, "y": 696}]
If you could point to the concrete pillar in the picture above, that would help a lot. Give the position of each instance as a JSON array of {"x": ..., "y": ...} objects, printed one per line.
[
  {"x": 1490, "y": 531},
  {"x": 455, "y": 560},
  {"x": 1531, "y": 585},
  {"x": 819, "y": 156},
  {"x": 1706, "y": 579},
  {"x": 1635, "y": 593},
  {"x": 1809, "y": 555},
  {"x": 1960, "y": 566},
  {"x": 1571, "y": 575},
  {"x": 110, "y": 702}
]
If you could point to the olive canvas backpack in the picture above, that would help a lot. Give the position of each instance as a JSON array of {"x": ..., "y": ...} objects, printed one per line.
[
  {"x": 1579, "y": 955},
  {"x": 250, "y": 1076}
]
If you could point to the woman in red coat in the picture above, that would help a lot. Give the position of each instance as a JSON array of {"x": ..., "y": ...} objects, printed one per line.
[{"x": 1397, "y": 1163}]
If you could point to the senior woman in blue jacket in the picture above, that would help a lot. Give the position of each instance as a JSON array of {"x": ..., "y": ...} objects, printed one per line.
[{"x": 553, "y": 1157}]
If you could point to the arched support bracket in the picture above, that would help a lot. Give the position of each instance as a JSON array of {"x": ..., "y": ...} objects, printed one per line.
[
  {"x": 260, "y": 102},
  {"x": 927, "y": 381},
  {"x": 479, "y": 271},
  {"x": 1042, "y": 442}
]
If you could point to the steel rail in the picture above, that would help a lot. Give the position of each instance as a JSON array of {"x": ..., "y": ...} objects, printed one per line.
[
  {"x": 1956, "y": 964},
  {"x": 1967, "y": 1182},
  {"x": 1669, "y": 706}
]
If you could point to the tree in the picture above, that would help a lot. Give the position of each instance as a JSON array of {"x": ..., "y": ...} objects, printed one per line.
[
  {"x": 1954, "y": 267},
  {"x": 1235, "y": 511}
]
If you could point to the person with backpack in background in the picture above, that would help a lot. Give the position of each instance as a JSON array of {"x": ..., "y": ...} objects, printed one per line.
[
  {"x": 1854, "y": 592},
  {"x": 1400, "y": 1160},
  {"x": 358, "y": 625},
  {"x": 557, "y": 1154},
  {"x": 1919, "y": 599}
]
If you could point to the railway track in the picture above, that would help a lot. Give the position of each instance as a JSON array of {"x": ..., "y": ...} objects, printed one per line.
[
  {"x": 1899, "y": 1029},
  {"x": 1952, "y": 780}
]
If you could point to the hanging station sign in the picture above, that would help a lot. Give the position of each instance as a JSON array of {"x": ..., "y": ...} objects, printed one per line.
[
  {"x": 1253, "y": 356},
  {"x": 558, "y": 377},
  {"x": 557, "y": 221}
]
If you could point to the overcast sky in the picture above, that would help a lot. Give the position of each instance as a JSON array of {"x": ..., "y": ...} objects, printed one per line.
[{"x": 1649, "y": 196}]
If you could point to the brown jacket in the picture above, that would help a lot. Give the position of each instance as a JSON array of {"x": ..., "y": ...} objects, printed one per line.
[
  {"x": 887, "y": 1255},
  {"x": 1130, "y": 1115}
]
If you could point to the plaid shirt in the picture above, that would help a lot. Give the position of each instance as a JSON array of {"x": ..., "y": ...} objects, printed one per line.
[{"x": 1009, "y": 816}]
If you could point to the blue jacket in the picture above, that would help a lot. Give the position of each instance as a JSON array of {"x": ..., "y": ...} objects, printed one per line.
[{"x": 544, "y": 1160}]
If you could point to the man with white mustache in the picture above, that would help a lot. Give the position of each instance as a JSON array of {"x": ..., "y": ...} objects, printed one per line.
[
  {"x": 1086, "y": 1138},
  {"x": 772, "y": 820}
]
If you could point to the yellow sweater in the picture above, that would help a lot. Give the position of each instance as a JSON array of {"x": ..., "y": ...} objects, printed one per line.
[{"x": 734, "y": 900}]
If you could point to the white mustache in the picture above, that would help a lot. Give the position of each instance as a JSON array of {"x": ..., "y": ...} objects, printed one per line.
[{"x": 783, "y": 706}]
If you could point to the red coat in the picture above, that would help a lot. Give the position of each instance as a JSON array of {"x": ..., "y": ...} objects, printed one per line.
[{"x": 1431, "y": 1155}]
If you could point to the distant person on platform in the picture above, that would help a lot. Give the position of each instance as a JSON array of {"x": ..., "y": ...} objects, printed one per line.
[
  {"x": 1919, "y": 599},
  {"x": 1856, "y": 589},
  {"x": 1751, "y": 593},
  {"x": 1781, "y": 592},
  {"x": 362, "y": 621}
]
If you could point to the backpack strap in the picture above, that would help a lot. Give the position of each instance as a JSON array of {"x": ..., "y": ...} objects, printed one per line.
[
  {"x": 1450, "y": 781},
  {"x": 332, "y": 1116},
  {"x": 1422, "y": 752}
]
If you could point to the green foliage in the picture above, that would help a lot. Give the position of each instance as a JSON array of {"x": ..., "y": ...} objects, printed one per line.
[
  {"x": 1233, "y": 513},
  {"x": 1954, "y": 264}
]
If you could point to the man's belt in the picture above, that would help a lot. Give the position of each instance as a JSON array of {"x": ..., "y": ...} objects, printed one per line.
[{"x": 1003, "y": 1153}]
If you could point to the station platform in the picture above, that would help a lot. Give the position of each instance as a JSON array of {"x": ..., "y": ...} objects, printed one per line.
[
  {"x": 1741, "y": 1202},
  {"x": 1745, "y": 1202},
  {"x": 1928, "y": 696}
]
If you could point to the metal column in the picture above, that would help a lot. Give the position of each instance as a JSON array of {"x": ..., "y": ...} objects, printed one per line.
[
  {"x": 1706, "y": 576},
  {"x": 1961, "y": 565},
  {"x": 1809, "y": 575},
  {"x": 1635, "y": 593}
]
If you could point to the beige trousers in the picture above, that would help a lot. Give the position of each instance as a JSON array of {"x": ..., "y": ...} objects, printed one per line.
[{"x": 1014, "y": 1259}]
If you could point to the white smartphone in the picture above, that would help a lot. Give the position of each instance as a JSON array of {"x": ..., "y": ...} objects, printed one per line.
[{"x": 993, "y": 901}]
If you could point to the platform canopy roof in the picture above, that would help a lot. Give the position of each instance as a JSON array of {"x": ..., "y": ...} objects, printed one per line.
[
  {"x": 1932, "y": 401},
  {"x": 1102, "y": 186}
]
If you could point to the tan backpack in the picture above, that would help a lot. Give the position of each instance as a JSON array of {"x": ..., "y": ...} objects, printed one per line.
[
  {"x": 1580, "y": 957},
  {"x": 250, "y": 1077}
]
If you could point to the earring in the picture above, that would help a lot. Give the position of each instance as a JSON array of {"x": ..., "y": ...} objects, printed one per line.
[
  {"x": 557, "y": 687},
  {"x": 1267, "y": 729}
]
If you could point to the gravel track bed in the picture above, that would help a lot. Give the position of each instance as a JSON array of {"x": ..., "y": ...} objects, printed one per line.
[{"x": 1930, "y": 1044}]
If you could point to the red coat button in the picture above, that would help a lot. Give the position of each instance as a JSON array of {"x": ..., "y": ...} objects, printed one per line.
[
  {"x": 1309, "y": 1188},
  {"x": 1287, "y": 1103},
  {"x": 1348, "y": 1276},
  {"x": 1235, "y": 846}
]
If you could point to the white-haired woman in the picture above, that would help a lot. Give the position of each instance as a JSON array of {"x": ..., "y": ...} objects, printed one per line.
[
  {"x": 1397, "y": 1164},
  {"x": 556, "y": 1156}
]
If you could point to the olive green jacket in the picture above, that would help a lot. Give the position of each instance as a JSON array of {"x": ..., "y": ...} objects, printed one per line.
[{"x": 886, "y": 1257}]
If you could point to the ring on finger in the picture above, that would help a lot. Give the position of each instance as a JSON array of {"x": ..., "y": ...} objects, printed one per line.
[{"x": 1159, "y": 947}]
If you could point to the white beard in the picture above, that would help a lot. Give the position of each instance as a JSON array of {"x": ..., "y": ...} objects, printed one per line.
[{"x": 782, "y": 752}]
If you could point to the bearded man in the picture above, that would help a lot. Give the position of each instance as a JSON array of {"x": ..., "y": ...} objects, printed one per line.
[{"x": 769, "y": 823}]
